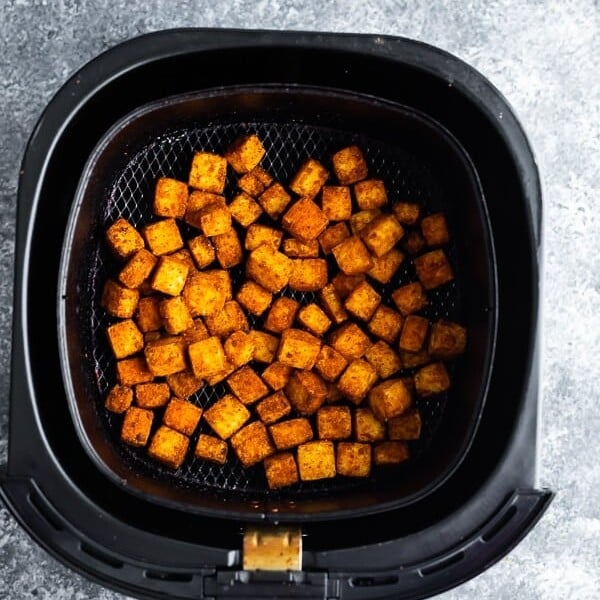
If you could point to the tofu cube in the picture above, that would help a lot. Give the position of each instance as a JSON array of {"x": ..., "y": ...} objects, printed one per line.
[
  {"x": 273, "y": 408},
  {"x": 433, "y": 269},
  {"x": 222, "y": 375},
  {"x": 197, "y": 201},
  {"x": 308, "y": 274},
  {"x": 239, "y": 348},
  {"x": 330, "y": 363},
  {"x": 137, "y": 269},
  {"x": 410, "y": 360},
  {"x": 304, "y": 221},
  {"x": 245, "y": 153},
  {"x": 163, "y": 237},
  {"x": 274, "y": 200},
  {"x": 309, "y": 179},
  {"x": 119, "y": 399},
  {"x": 362, "y": 301},
  {"x": 229, "y": 249},
  {"x": 269, "y": 268},
  {"x": 184, "y": 384},
  {"x": 435, "y": 229},
  {"x": 185, "y": 257},
  {"x": 390, "y": 453},
  {"x": 247, "y": 386},
  {"x": 282, "y": 314},
  {"x": 281, "y": 470},
  {"x": 352, "y": 256},
  {"x": 252, "y": 444},
  {"x": 176, "y": 315},
  {"x": 165, "y": 356},
  {"x": 350, "y": 341},
  {"x": 131, "y": 371},
  {"x": 344, "y": 284},
  {"x": 207, "y": 357},
  {"x": 169, "y": 447},
  {"x": 389, "y": 399},
  {"x": 385, "y": 266},
  {"x": 413, "y": 242},
  {"x": 336, "y": 202},
  {"x": 334, "y": 422},
  {"x": 251, "y": 185},
  {"x": 353, "y": 459},
  {"x": 183, "y": 416},
  {"x": 204, "y": 293},
  {"x": 447, "y": 339},
  {"x": 125, "y": 338},
  {"x": 254, "y": 298},
  {"x": 306, "y": 391},
  {"x": 332, "y": 304},
  {"x": 432, "y": 379},
  {"x": 257, "y": 235},
  {"x": 316, "y": 460},
  {"x": 226, "y": 416},
  {"x": 208, "y": 172},
  {"x": 406, "y": 426},
  {"x": 349, "y": 165},
  {"x": 119, "y": 301},
  {"x": 137, "y": 423},
  {"x": 211, "y": 448},
  {"x": 123, "y": 239},
  {"x": 228, "y": 320},
  {"x": 367, "y": 428},
  {"x": 196, "y": 332},
  {"x": 333, "y": 236},
  {"x": 414, "y": 332},
  {"x": 244, "y": 209},
  {"x": 383, "y": 359},
  {"x": 356, "y": 381},
  {"x": 297, "y": 249},
  {"x": 148, "y": 315},
  {"x": 214, "y": 220},
  {"x": 410, "y": 298},
  {"x": 298, "y": 349},
  {"x": 314, "y": 319},
  {"x": 291, "y": 433},
  {"x": 359, "y": 220},
  {"x": 382, "y": 234},
  {"x": 152, "y": 395},
  {"x": 169, "y": 276},
  {"x": 202, "y": 250},
  {"x": 276, "y": 375},
  {"x": 407, "y": 213},
  {"x": 386, "y": 324},
  {"x": 170, "y": 198},
  {"x": 265, "y": 346},
  {"x": 370, "y": 193}
]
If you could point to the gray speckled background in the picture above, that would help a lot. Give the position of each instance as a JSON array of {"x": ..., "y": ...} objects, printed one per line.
[{"x": 545, "y": 57}]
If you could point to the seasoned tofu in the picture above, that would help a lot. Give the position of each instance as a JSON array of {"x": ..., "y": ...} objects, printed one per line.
[
  {"x": 386, "y": 266},
  {"x": 370, "y": 193},
  {"x": 276, "y": 375},
  {"x": 184, "y": 384},
  {"x": 309, "y": 178},
  {"x": 211, "y": 448},
  {"x": 252, "y": 444},
  {"x": 274, "y": 200},
  {"x": 265, "y": 346},
  {"x": 330, "y": 363},
  {"x": 314, "y": 319},
  {"x": 239, "y": 348},
  {"x": 282, "y": 314},
  {"x": 269, "y": 268},
  {"x": 382, "y": 234},
  {"x": 334, "y": 422},
  {"x": 356, "y": 381},
  {"x": 333, "y": 236},
  {"x": 390, "y": 453},
  {"x": 245, "y": 153},
  {"x": 208, "y": 172},
  {"x": 405, "y": 427},
  {"x": 306, "y": 391},
  {"x": 204, "y": 293},
  {"x": 344, "y": 284},
  {"x": 251, "y": 185},
  {"x": 231, "y": 318},
  {"x": 170, "y": 198},
  {"x": 137, "y": 269},
  {"x": 185, "y": 257},
  {"x": 137, "y": 423},
  {"x": 352, "y": 256},
  {"x": 389, "y": 399},
  {"x": 353, "y": 459},
  {"x": 119, "y": 301},
  {"x": 169, "y": 276},
  {"x": 228, "y": 248},
  {"x": 433, "y": 269},
  {"x": 213, "y": 220},
  {"x": 367, "y": 427},
  {"x": 258, "y": 234},
  {"x": 163, "y": 237},
  {"x": 202, "y": 251},
  {"x": 308, "y": 274},
  {"x": 297, "y": 249},
  {"x": 435, "y": 229},
  {"x": 298, "y": 349},
  {"x": 125, "y": 338},
  {"x": 410, "y": 360},
  {"x": 152, "y": 395},
  {"x": 123, "y": 239},
  {"x": 414, "y": 332},
  {"x": 222, "y": 281},
  {"x": 254, "y": 298},
  {"x": 432, "y": 379},
  {"x": 384, "y": 360},
  {"x": 247, "y": 386},
  {"x": 447, "y": 339},
  {"x": 350, "y": 341},
  {"x": 165, "y": 356},
  {"x": 226, "y": 416},
  {"x": 273, "y": 408},
  {"x": 198, "y": 200},
  {"x": 131, "y": 371},
  {"x": 410, "y": 298},
  {"x": 349, "y": 165},
  {"x": 407, "y": 213},
  {"x": 413, "y": 242},
  {"x": 196, "y": 332},
  {"x": 386, "y": 324},
  {"x": 281, "y": 470},
  {"x": 291, "y": 433},
  {"x": 175, "y": 315},
  {"x": 336, "y": 202},
  {"x": 362, "y": 301},
  {"x": 119, "y": 399},
  {"x": 183, "y": 416},
  {"x": 148, "y": 317},
  {"x": 222, "y": 375},
  {"x": 332, "y": 304},
  {"x": 304, "y": 220},
  {"x": 244, "y": 209},
  {"x": 169, "y": 447},
  {"x": 316, "y": 460},
  {"x": 207, "y": 357}
]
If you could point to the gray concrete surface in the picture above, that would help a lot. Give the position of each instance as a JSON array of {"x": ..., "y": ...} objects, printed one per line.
[{"x": 545, "y": 57}]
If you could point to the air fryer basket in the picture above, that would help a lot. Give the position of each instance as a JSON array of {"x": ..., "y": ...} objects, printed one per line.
[{"x": 417, "y": 159}]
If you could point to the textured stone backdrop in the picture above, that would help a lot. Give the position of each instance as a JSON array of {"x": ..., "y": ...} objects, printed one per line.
[{"x": 545, "y": 57}]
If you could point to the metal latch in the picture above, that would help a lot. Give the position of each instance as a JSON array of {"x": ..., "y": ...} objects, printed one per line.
[{"x": 272, "y": 549}]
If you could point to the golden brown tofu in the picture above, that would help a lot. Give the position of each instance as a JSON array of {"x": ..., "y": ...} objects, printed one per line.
[
  {"x": 314, "y": 319},
  {"x": 344, "y": 284},
  {"x": 185, "y": 257},
  {"x": 308, "y": 274},
  {"x": 336, "y": 202},
  {"x": 432, "y": 379},
  {"x": 334, "y": 422},
  {"x": 297, "y": 249},
  {"x": 385, "y": 361},
  {"x": 197, "y": 201},
  {"x": 163, "y": 237},
  {"x": 306, "y": 391},
  {"x": 309, "y": 178},
  {"x": 207, "y": 357},
  {"x": 385, "y": 266},
  {"x": 131, "y": 371},
  {"x": 413, "y": 242},
  {"x": 367, "y": 428},
  {"x": 281, "y": 470},
  {"x": 332, "y": 305},
  {"x": 231, "y": 318},
  {"x": 123, "y": 239},
  {"x": 330, "y": 363},
  {"x": 244, "y": 209},
  {"x": 251, "y": 185},
  {"x": 211, "y": 448},
  {"x": 169, "y": 447},
  {"x": 304, "y": 220},
  {"x": 333, "y": 236},
  {"x": 183, "y": 416},
  {"x": 202, "y": 251},
  {"x": 263, "y": 176},
  {"x": 360, "y": 219},
  {"x": 353, "y": 459},
  {"x": 239, "y": 348},
  {"x": 119, "y": 399},
  {"x": 282, "y": 314},
  {"x": 257, "y": 235},
  {"x": 213, "y": 220},
  {"x": 435, "y": 229},
  {"x": 176, "y": 315},
  {"x": 252, "y": 444},
  {"x": 350, "y": 341},
  {"x": 352, "y": 256},
  {"x": 447, "y": 339},
  {"x": 370, "y": 193},
  {"x": 137, "y": 269},
  {"x": 356, "y": 381},
  {"x": 229, "y": 249},
  {"x": 410, "y": 360},
  {"x": 405, "y": 427},
  {"x": 274, "y": 200},
  {"x": 316, "y": 460},
  {"x": 137, "y": 423},
  {"x": 247, "y": 386},
  {"x": 407, "y": 213},
  {"x": 349, "y": 165},
  {"x": 386, "y": 324},
  {"x": 362, "y": 301},
  {"x": 333, "y": 394},
  {"x": 208, "y": 172},
  {"x": 221, "y": 375},
  {"x": 119, "y": 301},
  {"x": 433, "y": 269},
  {"x": 291, "y": 433},
  {"x": 148, "y": 316},
  {"x": 170, "y": 198},
  {"x": 273, "y": 408},
  {"x": 265, "y": 346},
  {"x": 254, "y": 298},
  {"x": 184, "y": 384},
  {"x": 196, "y": 332},
  {"x": 245, "y": 153},
  {"x": 269, "y": 268},
  {"x": 298, "y": 349},
  {"x": 226, "y": 416},
  {"x": 151, "y": 395},
  {"x": 414, "y": 332},
  {"x": 204, "y": 294},
  {"x": 169, "y": 276},
  {"x": 390, "y": 453},
  {"x": 389, "y": 399},
  {"x": 125, "y": 338},
  {"x": 410, "y": 298},
  {"x": 165, "y": 356},
  {"x": 276, "y": 375},
  {"x": 382, "y": 234}
]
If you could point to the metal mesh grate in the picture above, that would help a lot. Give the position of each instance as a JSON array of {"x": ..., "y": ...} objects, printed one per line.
[{"x": 287, "y": 146}]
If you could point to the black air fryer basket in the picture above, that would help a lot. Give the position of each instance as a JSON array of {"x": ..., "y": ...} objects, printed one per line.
[{"x": 436, "y": 132}]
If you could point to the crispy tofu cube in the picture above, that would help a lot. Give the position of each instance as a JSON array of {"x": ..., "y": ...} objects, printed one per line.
[
  {"x": 330, "y": 363},
  {"x": 119, "y": 301},
  {"x": 353, "y": 459},
  {"x": 169, "y": 447},
  {"x": 298, "y": 349},
  {"x": 344, "y": 284},
  {"x": 214, "y": 220},
  {"x": 385, "y": 266},
  {"x": 231, "y": 318},
  {"x": 349, "y": 165},
  {"x": 274, "y": 200},
  {"x": 413, "y": 333},
  {"x": 410, "y": 298},
  {"x": 204, "y": 293},
  {"x": 269, "y": 268},
  {"x": 308, "y": 274},
  {"x": 435, "y": 229},
  {"x": 252, "y": 444},
  {"x": 314, "y": 319},
  {"x": 148, "y": 316},
  {"x": 184, "y": 384},
  {"x": 389, "y": 399},
  {"x": 432, "y": 379},
  {"x": 169, "y": 276},
  {"x": 297, "y": 249},
  {"x": 211, "y": 448},
  {"x": 336, "y": 202},
  {"x": 226, "y": 416},
  {"x": 276, "y": 375},
  {"x": 332, "y": 304},
  {"x": 309, "y": 179},
  {"x": 245, "y": 153},
  {"x": 198, "y": 200},
  {"x": 306, "y": 391},
  {"x": 229, "y": 249},
  {"x": 362, "y": 301},
  {"x": 196, "y": 332},
  {"x": 131, "y": 371},
  {"x": 367, "y": 428},
  {"x": 244, "y": 209},
  {"x": 304, "y": 221},
  {"x": 239, "y": 348},
  {"x": 165, "y": 356},
  {"x": 382, "y": 234},
  {"x": 170, "y": 198},
  {"x": 282, "y": 314},
  {"x": 247, "y": 386},
  {"x": 413, "y": 242},
  {"x": 176, "y": 315},
  {"x": 291, "y": 433},
  {"x": 352, "y": 256},
  {"x": 386, "y": 324},
  {"x": 208, "y": 172},
  {"x": 254, "y": 298},
  {"x": 405, "y": 427},
  {"x": 350, "y": 341},
  {"x": 137, "y": 423},
  {"x": 163, "y": 237},
  {"x": 410, "y": 360},
  {"x": 370, "y": 193},
  {"x": 281, "y": 470},
  {"x": 407, "y": 213},
  {"x": 119, "y": 399},
  {"x": 316, "y": 460},
  {"x": 333, "y": 236},
  {"x": 257, "y": 235},
  {"x": 137, "y": 269},
  {"x": 222, "y": 281},
  {"x": 433, "y": 269},
  {"x": 123, "y": 239},
  {"x": 273, "y": 408},
  {"x": 359, "y": 220},
  {"x": 183, "y": 416},
  {"x": 334, "y": 422},
  {"x": 390, "y": 453},
  {"x": 384, "y": 360},
  {"x": 152, "y": 395},
  {"x": 447, "y": 339},
  {"x": 185, "y": 257},
  {"x": 125, "y": 338},
  {"x": 202, "y": 250},
  {"x": 251, "y": 185},
  {"x": 356, "y": 381},
  {"x": 222, "y": 375},
  {"x": 265, "y": 346},
  {"x": 207, "y": 357},
  {"x": 263, "y": 176}
]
